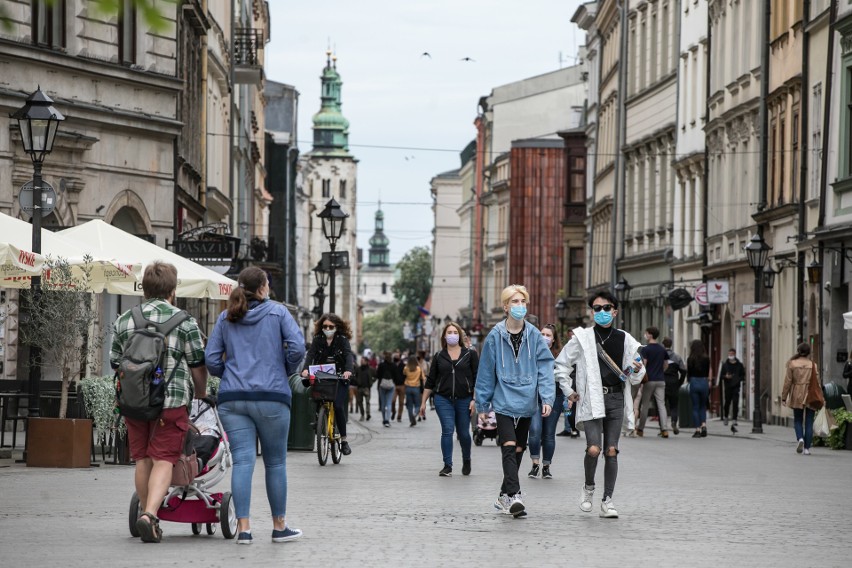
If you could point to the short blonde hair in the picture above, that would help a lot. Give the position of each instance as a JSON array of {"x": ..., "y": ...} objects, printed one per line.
[{"x": 511, "y": 290}]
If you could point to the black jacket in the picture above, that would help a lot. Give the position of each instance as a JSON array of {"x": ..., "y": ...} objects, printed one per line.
[
  {"x": 453, "y": 379},
  {"x": 363, "y": 376},
  {"x": 735, "y": 369},
  {"x": 339, "y": 353}
]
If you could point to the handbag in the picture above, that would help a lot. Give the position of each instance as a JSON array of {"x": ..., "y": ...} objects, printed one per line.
[
  {"x": 386, "y": 384},
  {"x": 823, "y": 424},
  {"x": 814, "y": 398}
]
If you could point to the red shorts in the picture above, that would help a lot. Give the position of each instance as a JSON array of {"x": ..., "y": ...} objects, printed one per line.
[{"x": 161, "y": 439}]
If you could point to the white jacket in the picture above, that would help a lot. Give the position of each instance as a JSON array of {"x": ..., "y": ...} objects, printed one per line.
[{"x": 581, "y": 351}]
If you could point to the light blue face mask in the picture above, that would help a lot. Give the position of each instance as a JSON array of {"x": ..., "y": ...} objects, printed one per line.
[
  {"x": 603, "y": 318},
  {"x": 518, "y": 312}
]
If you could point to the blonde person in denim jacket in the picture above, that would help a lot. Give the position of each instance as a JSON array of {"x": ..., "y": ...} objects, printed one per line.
[{"x": 515, "y": 372}]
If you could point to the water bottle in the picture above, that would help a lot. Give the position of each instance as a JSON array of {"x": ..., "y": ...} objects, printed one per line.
[
  {"x": 158, "y": 376},
  {"x": 567, "y": 408}
]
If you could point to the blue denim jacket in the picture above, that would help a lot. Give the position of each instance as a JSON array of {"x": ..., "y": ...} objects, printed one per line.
[{"x": 513, "y": 386}]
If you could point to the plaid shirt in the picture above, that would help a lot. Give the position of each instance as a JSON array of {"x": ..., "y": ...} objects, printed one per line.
[{"x": 185, "y": 342}]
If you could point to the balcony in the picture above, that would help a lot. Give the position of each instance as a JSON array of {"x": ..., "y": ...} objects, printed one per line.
[
  {"x": 248, "y": 63},
  {"x": 574, "y": 213}
]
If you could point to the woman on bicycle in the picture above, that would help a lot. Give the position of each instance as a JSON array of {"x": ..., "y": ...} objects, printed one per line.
[
  {"x": 452, "y": 378},
  {"x": 543, "y": 430},
  {"x": 331, "y": 346},
  {"x": 254, "y": 346}
]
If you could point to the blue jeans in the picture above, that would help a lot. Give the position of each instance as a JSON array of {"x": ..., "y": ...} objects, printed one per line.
[
  {"x": 699, "y": 390},
  {"x": 385, "y": 396},
  {"x": 454, "y": 414},
  {"x": 805, "y": 415},
  {"x": 244, "y": 422},
  {"x": 543, "y": 430},
  {"x": 412, "y": 402}
]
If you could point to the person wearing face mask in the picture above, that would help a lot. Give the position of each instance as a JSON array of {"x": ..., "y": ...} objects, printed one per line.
[
  {"x": 331, "y": 345},
  {"x": 452, "y": 379},
  {"x": 607, "y": 361},
  {"x": 542, "y": 437},
  {"x": 515, "y": 380},
  {"x": 731, "y": 375}
]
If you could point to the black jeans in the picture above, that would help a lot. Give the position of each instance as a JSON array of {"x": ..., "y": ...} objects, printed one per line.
[
  {"x": 608, "y": 428},
  {"x": 732, "y": 394},
  {"x": 512, "y": 430},
  {"x": 672, "y": 389}
]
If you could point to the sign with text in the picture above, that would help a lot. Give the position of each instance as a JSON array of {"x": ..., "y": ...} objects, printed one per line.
[
  {"x": 757, "y": 311},
  {"x": 717, "y": 292},
  {"x": 220, "y": 251}
]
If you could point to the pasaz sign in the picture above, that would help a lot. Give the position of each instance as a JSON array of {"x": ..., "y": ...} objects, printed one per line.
[{"x": 206, "y": 250}]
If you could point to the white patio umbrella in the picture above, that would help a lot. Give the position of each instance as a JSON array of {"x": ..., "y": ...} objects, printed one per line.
[
  {"x": 194, "y": 280},
  {"x": 847, "y": 320},
  {"x": 20, "y": 264}
]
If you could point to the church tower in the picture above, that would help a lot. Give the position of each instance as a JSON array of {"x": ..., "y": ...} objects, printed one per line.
[{"x": 379, "y": 252}]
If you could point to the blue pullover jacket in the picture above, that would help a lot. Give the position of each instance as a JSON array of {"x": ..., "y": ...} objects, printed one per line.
[{"x": 255, "y": 356}]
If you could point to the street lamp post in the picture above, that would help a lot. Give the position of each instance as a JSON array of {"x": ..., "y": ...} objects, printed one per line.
[
  {"x": 333, "y": 225},
  {"x": 561, "y": 315},
  {"x": 757, "y": 252},
  {"x": 622, "y": 293},
  {"x": 38, "y": 122}
]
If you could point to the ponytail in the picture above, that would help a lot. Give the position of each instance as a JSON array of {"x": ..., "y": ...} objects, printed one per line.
[{"x": 249, "y": 282}]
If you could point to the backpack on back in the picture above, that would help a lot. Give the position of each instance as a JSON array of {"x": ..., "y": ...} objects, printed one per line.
[{"x": 139, "y": 386}]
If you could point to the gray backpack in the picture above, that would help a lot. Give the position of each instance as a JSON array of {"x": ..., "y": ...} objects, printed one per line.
[{"x": 139, "y": 386}]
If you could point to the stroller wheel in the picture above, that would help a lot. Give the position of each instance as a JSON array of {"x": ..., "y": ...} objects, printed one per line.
[
  {"x": 477, "y": 440},
  {"x": 196, "y": 528},
  {"x": 135, "y": 511},
  {"x": 211, "y": 529},
  {"x": 228, "y": 516}
]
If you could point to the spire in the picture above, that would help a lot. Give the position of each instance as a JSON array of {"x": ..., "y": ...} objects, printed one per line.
[
  {"x": 331, "y": 129},
  {"x": 379, "y": 251}
]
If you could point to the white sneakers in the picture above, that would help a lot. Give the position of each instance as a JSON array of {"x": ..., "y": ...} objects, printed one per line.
[
  {"x": 586, "y": 499},
  {"x": 807, "y": 452},
  {"x": 503, "y": 503},
  {"x": 608, "y": 510},
  {"x": 510, "y": 505},
  {"x": 800, "y": 446}
]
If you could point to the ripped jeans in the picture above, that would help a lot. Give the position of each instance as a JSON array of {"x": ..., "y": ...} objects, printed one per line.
[{"x": 608, "y": 428}]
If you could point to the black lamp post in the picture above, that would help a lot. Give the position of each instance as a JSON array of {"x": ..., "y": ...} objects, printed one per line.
[
  {"x": 769, "y": 275},
  {"x": 38, "y": 122},
  {"x": 333, "y": 225},
  {"x": 561, "y": 315},
  {"x": 622, "y": 293},
  {"x": 757, "y": 252}
]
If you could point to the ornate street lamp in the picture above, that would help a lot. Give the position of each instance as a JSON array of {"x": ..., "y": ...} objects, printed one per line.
[
  {"x": 561, "y": 315},
  {"x": 815, "y": 272},
  {"x": 622, "y": 290},
  {"x": 321, "y": 275},
  {"x": 333, "y": 225},
  {"x": 769, "y": 275},
  {"x": 38, "y": 122},
  {"x": 757, "y": 252}
]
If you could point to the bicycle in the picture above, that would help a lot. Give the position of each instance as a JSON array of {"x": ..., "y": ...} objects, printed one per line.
[{"x": 324, "y": 391}]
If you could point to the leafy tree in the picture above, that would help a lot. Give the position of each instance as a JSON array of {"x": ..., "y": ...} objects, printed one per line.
[
  {"x": 383, "y": 331},
  {"x": 153, "y": 11},
  {"x": 61, "y": 321},
  {"x": 414, "y": 282}
]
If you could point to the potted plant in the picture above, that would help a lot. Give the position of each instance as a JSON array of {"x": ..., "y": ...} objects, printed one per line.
[
  {"x": 61, "y": 323},
  {"x": 99, "y": 399}
]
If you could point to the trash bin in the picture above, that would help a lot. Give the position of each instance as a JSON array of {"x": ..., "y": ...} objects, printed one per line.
[
  {"x": 833, "y": 398},
  {"x": 302, "y": 412},
  {"x": 684, "y": 408}
]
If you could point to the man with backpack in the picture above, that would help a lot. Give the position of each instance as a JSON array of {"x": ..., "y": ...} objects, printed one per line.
[{"x": 158, "y": 354}]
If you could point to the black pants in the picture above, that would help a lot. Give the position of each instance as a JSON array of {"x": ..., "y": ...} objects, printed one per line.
[
  {"x": 732, "y": 394},
  {"x": 512, "y": 430},
  {"x": 672, "y": 389}
]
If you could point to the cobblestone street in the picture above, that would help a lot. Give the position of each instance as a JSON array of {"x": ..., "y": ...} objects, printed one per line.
[{"x": 719, "y": 501}]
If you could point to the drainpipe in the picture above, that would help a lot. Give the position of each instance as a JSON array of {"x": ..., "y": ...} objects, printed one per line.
[
  {"x": 705, "y": 202},
  {"x": 231, "y": 103},
  {"x": 288, "y": 189},
  {"x": 202, "y": 194},
  {"x": 620, "y": 120},
  {"x": 803, "y": 171}
]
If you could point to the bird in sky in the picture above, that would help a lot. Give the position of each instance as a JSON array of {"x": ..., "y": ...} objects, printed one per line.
[
  {"x": 468, "y": 59},
  {"x": 426, "y": 54}
]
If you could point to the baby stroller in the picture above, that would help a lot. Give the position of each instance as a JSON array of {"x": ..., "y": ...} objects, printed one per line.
[
  {"x": 485, "y": 428},
  {"x": 206, "y": 460}
]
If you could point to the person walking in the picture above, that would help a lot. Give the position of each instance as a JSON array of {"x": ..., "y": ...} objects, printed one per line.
[
  {"x": 386, "y": 374},
  {"x": 254, "y": 347},
  {"x": 675, "y": 374},
  {"x": 802, "y": 378},
  {"x": 413, "y": 374},
  {"x": 450, "y": 383},
  {"x": 601, "y": 354},
  {"x": 363, "y": 380},
  {"x": 156, "y": 445},
  {"x": 698, "y": 369},
  {"x": 331, "y": 346},
  {"x": 731, "y": 375},
  {"x": 515, "y": 379},
  {"x": 399, "y": 361},
  {"x": 542, "y": 437},
  {"x": 655, "y": 359}
]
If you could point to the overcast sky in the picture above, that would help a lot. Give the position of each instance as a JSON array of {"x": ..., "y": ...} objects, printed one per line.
[{"x": 397, "y": 98}]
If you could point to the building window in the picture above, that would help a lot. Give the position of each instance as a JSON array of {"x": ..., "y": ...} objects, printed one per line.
[
  {"x": 576, "y": 271},
  {"x": 326, "y": 188},
  {"x": 773, "y": 151},
  {"x": 127, "y": 32},
  {"x": 794, "y": 154},
  {"x": 816, "y": 140},
  {"x": 343, "y": 189},
  {"x": 576, "y": 179},
  {"x": 48, "y": 23},
  {"x": 384, "y": 288}
]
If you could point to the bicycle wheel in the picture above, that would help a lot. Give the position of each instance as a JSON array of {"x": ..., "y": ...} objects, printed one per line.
[
  {"x": 334, "y": 439},
  {"x": 322, "y": 435}
]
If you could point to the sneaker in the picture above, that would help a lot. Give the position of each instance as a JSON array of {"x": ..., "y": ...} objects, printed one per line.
[
  {"x": 286, "y": 535},
  {"x": 564, "y": 433},
  {"x": 503, "y": 503},
  {"x": 704, "y": 431},
  {"x": 800, "y": 446},
  {"x": 586, "y": 499},
  {"x": 545, "y": 472},
  {"x": 640, "y": 433},
  {"x": 697, "y": 434},
  {"x": 466, "y": 467},
  {"x": 631, "y": 434},
  {"x": 534, "y": 471},
  {"x": 664, "y": 434},
  {"x": 516, "y": 506},
  {"x": 806, "y": 452},
  {"x": 675, "y": 429},
  {"x": 575, "y": 434},
  {"x": 446, "y": 472},
  {"x": 244, "y": 538},
  {"x": 608, "y": 509},
  {"x": 368, "y": 418},
  {"x": 386, "y": 424},
  {"x": 345, "y": 449}
]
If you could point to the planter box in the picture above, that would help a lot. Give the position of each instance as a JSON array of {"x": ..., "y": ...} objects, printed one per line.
[{"x": 59, "y": 442}]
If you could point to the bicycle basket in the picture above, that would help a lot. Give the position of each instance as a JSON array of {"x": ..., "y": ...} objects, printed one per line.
[{"x": 324, "y": 389}]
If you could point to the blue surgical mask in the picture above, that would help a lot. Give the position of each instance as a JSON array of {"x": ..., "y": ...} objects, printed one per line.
[
  {"x": 603, "y": 318},
  {"x": 518, "y": 312}
]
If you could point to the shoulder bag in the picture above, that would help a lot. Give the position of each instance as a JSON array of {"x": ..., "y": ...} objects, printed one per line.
[{"x": 814, "y": 398}]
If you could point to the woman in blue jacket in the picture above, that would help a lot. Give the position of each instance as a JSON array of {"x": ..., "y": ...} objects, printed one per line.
[
  {"x": 515, "y": 372},
  {"x": 255, "y": 345}
]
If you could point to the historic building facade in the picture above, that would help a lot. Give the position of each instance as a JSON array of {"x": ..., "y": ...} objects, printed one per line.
[{"x": 376, "y": 276}]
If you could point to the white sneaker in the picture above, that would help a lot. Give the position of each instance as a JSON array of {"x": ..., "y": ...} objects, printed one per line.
[
  {"x": 608, "y": 510},
  {"x": 806, "y": 452},
  {"x": 800, "y": 446},
  {"x": 503, "y": 503},
  {"x": 516, "y": 506},
  {"x": 586, "y": 499}
]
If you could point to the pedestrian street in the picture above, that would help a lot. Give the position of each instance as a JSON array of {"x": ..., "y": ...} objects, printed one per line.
[{"x": 715, "y": 501}]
